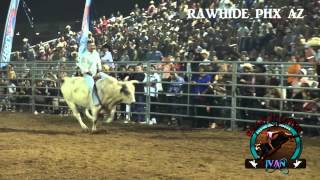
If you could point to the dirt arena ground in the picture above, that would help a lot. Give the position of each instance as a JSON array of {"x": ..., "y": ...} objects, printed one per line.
[{"x": 53, "y": 147}]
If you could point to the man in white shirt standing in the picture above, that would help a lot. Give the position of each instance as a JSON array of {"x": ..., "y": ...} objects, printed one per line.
[
  {"x": 90, "y": 65},
  {"x": 107, "y": 57},
  {"x": 153, "y": 81}
]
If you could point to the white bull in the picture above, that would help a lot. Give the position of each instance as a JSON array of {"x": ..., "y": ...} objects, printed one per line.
[{"x": 110, "y": 92}]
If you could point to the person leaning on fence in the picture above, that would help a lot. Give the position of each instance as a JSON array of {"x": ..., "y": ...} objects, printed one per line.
[
  {"x": 2, "y": 92},
  {"x": 166, "y": 68},
  {"x": 274, "y": 92},
  {"x": 260, "y": 80},
  {"x": 128, "y": 111},
  {"x": 23, "y": 92},
  {"x": 218, "y": 88},
  {"x": 138, "y": 108},
  {"x": 197, "y": 91},
  {"x": 174, "y": 95},
  {"x": 121, "y": 77},
  {"x": 11, "y": 95},
  {"x": 40, "y": 97},
  {"x": 153, "y": 85},
  {"x": 311, "y": 107},
  {"x": 52, "y": 90},
  {"x": 247, "y": 79}
]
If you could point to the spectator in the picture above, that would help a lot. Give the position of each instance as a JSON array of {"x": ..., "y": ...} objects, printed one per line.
[
  {"x": 124, "y": 57},
  {"x": 128, "y": 108},
  {"x": 11, "y": 74},
  {"x": 219, "y": 88},
  {"x": 153, "y": 85},
  {"x": 198, "y": 89},
  {"x": 74, "y": 56},
  {"x": 311, "y": 107},
  {"x": 53, "y": 91},
  {"x": 67, "y": 32},
  {"x": 174, "y": 94},
  {"x": 154, "y": 54},
  {"x": 60, "y": 52},
  {"x": 139, "y": 107},
  {"x": 152, "y": 10},
  {"x": 243, "y": 33},
  {"x": 273, "y": 93},
  {"x": 245, "y": 90},
  {"x": 205, "y": 54},
  {"x": 293, "y": 69},
  {"x": 121, "y": 77},
  {"x": 2, "y": 93},
  {"x": 260, "y": 80},
  {"x": 25, "y": 48},
  {"x": 11, "y": 95},
  {"x": 40, "y": 100},
  {"x": 107, "y": 56},
  {"x": 23, "y": 92},
  {"x": 91, "y": 38}
]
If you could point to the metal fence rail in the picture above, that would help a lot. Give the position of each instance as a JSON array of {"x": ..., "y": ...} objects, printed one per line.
[{"x": 231, "y": 107}]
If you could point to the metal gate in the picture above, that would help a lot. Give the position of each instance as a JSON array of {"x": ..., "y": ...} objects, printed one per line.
[{"x": 229, "y": 108}]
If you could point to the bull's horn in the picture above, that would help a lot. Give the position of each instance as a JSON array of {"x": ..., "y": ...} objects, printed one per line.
[
  {"x": 134, "y": 81},
  {"x": 126, "y": 78}
]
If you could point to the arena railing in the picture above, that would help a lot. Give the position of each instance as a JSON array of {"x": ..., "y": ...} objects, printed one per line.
[{"x": 224, "y": 108}]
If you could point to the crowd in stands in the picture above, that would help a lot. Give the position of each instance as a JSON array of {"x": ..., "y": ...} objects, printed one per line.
[{"x": 162, "y": 34}]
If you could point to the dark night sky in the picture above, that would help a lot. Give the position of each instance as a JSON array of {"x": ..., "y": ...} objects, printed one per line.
[{"x": 46, "y": 11}]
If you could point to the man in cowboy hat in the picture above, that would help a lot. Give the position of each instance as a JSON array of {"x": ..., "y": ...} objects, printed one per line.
[
  {"x": 25, "y": 48},
  {"x": 205, "y": 54},
  {"x": 246, "y": 79}
]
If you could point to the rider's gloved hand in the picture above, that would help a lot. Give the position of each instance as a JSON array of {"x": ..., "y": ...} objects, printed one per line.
[{"x": 96, "y": 77}]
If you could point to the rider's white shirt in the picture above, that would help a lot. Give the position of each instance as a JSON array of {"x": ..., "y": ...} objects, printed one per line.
[{"x": 90, "y": 62}]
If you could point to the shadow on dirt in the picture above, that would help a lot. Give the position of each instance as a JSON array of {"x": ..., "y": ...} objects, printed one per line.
[{"x": 33, "y": 131}]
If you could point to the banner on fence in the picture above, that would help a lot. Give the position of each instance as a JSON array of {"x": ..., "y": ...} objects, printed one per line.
[{"x": 9, "y": 33}]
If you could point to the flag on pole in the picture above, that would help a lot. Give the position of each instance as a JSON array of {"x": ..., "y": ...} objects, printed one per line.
[
  {"x": 9, "y": 33},
  {"x": 85, "y": 29}
]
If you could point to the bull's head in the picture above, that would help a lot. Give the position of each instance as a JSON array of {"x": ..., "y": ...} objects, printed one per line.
[{"x": 127, "y": 90}]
